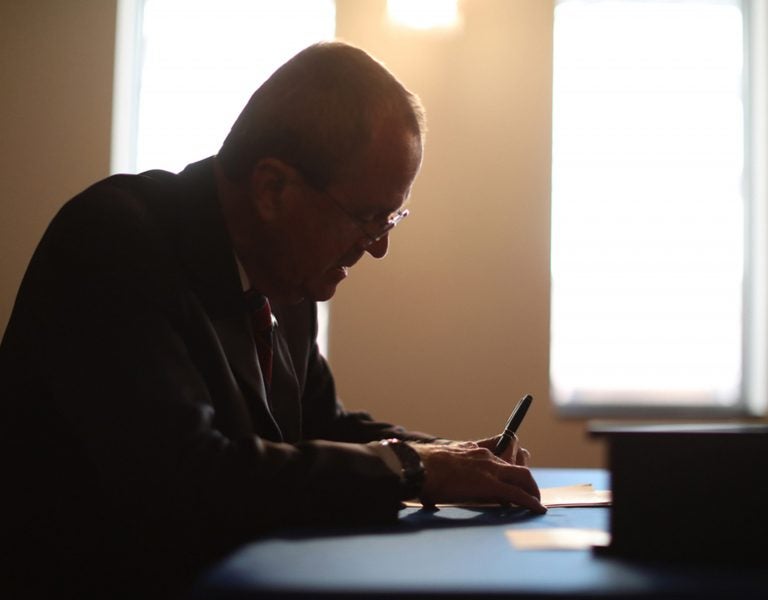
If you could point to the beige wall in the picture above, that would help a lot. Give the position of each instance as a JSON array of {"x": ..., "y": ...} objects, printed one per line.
[
  {"x": 452, "y": 328},
  {"x": 56, "y": 61},
  {"x": 447, "y": 332}
]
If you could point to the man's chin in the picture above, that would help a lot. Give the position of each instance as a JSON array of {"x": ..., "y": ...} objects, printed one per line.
[
  {"x": 321, "y": 293},
  {"x": 323, "y": 288}
]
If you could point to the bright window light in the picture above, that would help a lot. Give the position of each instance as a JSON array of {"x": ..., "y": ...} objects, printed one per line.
[
  {"x": 424, "y": 14},
  {"x": 648, "y": 207},
  {"x": 202, "y": 59}
]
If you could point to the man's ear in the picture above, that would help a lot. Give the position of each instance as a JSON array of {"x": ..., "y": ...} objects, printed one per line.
[{"x": 268, "y": 183}]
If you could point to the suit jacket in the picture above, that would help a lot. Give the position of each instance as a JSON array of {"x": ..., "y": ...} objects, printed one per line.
[{"x": 137, "y": 435}]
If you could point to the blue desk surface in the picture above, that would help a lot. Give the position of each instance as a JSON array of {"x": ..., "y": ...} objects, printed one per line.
[{"x": 458, "y": 552}]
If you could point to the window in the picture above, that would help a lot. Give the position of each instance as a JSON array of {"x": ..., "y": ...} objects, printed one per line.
[
  {"x": 186, "y": 68},
  {"x": 653, "y": 266}
]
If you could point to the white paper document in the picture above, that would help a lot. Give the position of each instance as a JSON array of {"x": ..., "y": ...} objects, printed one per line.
[
  {"x": 557, "y": 538},
  {"x": 583, "y": 494}
]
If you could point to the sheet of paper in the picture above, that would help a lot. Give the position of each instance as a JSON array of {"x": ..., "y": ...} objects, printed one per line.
[
  {"x": 560, "y": 538},
  {"x": 583, "y": 494}
]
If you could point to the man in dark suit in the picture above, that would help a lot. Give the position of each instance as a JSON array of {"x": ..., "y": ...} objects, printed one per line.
[{"x": 146, "y": 430}]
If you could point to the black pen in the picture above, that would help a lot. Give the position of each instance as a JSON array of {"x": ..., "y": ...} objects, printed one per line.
[{"x": 518, "y": 413}]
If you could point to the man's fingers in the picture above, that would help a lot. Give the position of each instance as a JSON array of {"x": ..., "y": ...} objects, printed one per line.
[
  {"x": 508, "y": 492},
  {"x": 520, "y": 477},
  {"x": 467, "y": 445},
  {"x": 514, "y": 454},
  {"x": 519, "y": 497},
  {"x": 511, "y": 454}
]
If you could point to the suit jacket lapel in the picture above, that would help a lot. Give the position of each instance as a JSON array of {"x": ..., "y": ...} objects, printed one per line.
[
  {"x": 240, "y": 349},
  {"x": 285, "y": 394},
  {"x": 206, "y": 251}
]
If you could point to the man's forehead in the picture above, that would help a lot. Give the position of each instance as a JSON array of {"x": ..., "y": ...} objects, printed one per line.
[
  {"x": 372, "y": 204},
  {"x": 392, "y": 163},
  {"x": 379, "y": 182}
]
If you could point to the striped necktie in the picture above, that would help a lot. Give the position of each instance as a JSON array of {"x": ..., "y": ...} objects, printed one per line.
[{"x": 262, "y": 324}]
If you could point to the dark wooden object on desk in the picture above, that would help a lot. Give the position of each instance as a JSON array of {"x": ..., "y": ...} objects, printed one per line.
[{"x": 688, "y": 493}]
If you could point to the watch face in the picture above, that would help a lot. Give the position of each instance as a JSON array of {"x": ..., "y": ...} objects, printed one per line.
[{"x": 413, "y": 469}]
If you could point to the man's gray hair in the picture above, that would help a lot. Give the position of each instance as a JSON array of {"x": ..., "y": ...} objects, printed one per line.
[{"x": 318, "y": 112}]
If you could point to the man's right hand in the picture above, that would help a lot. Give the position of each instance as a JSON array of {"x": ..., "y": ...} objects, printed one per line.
[{"x": 467, "y": 472}]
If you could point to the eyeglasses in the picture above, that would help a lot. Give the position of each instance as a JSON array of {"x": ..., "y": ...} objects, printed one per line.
[{"x": 372, "y": 231}]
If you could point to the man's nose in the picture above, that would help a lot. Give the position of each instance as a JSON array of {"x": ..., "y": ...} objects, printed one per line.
[{"x": 378, "y": 249}]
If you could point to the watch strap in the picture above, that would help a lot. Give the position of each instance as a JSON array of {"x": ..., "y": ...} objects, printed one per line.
[{"x": 413, "y": 473}]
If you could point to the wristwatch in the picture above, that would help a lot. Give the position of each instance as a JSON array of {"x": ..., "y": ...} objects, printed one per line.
[{"x": 413, "y": 473}]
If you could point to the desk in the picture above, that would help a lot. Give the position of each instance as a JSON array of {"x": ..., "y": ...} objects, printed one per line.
[{"x": 462, "y": 553}]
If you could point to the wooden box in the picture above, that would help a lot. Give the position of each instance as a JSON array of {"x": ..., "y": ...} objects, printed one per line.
[{"x": 688, "y": 493}]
